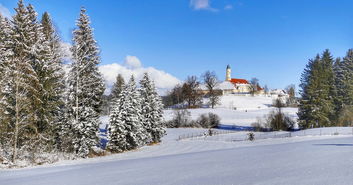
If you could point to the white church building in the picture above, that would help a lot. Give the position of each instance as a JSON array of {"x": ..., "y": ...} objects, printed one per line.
[{"x": 231, "y": 85}]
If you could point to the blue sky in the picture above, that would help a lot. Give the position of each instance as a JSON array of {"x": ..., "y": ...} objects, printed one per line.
[{"x": 268, "y": 39}]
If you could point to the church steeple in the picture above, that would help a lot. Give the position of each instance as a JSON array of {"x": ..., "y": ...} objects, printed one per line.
[{"x": 228, "y": 73}]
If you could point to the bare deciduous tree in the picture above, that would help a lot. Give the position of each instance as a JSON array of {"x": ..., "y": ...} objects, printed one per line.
[
  {"x": 211, "y": 81},
  {"x": 191, "y": 91},
  {"x": 254, "y": 82}
]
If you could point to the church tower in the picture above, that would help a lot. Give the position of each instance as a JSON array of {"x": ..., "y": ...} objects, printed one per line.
[{"x": 228, "y": 73}]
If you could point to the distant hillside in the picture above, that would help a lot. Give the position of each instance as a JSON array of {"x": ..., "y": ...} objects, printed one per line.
[
  {"x": 238, "y": 110},
  {"x": 245, "y": 102}
]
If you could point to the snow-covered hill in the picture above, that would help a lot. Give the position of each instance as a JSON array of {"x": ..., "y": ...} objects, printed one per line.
[{"x": 238, "y": 110}]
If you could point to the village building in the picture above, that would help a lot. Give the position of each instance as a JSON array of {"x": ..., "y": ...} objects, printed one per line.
[{"x": 232, "y": 85}]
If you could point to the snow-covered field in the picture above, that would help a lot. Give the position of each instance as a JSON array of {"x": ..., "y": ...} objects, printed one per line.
[
  {"x": 295, "y": 160},
  {"x": 314, "y": 156},
  {"x": 238, "y": 110}
]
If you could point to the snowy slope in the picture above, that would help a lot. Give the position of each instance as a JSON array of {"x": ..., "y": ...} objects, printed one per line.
[
  {"x": 322, "y": 160},
  {"x": 238, "y": 110},
  {"x": 233, "y": 117},
  {"x": 245, "y": 102}
]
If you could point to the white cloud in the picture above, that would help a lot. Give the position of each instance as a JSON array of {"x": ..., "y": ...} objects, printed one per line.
[
  {"x": 133, "y": 66},
  {"x": 228, "y": 7},
  {"x": 132, "y": 62},
  {"x": 5, "y": 11},
  {"x": 202, "y": 5}
]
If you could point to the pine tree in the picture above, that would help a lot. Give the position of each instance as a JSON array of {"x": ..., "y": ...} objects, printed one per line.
[
  {"x": 20, "y": 90},
  {"x": 39, "y": 57},
  {"x": 86, "y": 88},
  {"x": 328, "y": 90},
  {"x": 116, "y": 90},
  {"x": 347, "y": 69},
  {"x": 316, "y": 107},
  {"x": 52, "y": 80},
  {"x": 126, "y": 130},
  {"x": 340, "y": 78},
  {"x": 117, "y": 87},
  {"x": 5, "y": 56},
  {"x": 151, "y": 106}
]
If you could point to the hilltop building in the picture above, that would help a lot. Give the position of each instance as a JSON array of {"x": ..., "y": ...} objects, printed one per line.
[{"x": 232, "y": 85}]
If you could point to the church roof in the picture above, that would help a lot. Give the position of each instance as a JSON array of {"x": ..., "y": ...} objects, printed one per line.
[{"x": 239, "y": 81}]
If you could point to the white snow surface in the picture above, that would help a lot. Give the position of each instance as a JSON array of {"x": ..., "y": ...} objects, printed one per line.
[
  {"x": 239, "y": 110},
  {"x": 295, "y": 160}
]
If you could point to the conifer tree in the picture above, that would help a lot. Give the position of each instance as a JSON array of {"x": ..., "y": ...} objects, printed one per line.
[
  {"x": 151, "y": 106},
  {"x": 339, "y": 94},
  {"x": 5, "y": 56},
  {"x": 126, "y": 130},
  {"x": 86, "y": 88},
  {"x": 116, "y": 90},
  {"x": 316, "y": 107},
  {"x": 117, "y": 87},
  {"x": 347, "y": 70},
  {"x": 328, "y": 91},
  {"x": 20, "y": 92},
  {"x": 52, "y": 80}
]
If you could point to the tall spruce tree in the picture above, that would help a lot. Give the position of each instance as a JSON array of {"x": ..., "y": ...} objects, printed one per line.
[
  {"x": 340, "y": 77},
  {"x": 86, "y": 88},
  {"x": 52, "y": 80},
  {"x": 347, "y": 70},
  {"x": 328, "y": 90},
  {"x": 19, "y": 90},
  {"x": 316, "y": 107},
  {"x": 117, "y": 87},
  {"x": 5, "y": 56},
  {"x": 151, "y": 106},
  {"x": 45, "y": 100},
  {"x": 116, "y": 90},
  {"x": 126, "y": 130}
]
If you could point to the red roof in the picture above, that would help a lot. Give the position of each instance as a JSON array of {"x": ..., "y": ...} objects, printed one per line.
[{"x": 239, "y": 81}]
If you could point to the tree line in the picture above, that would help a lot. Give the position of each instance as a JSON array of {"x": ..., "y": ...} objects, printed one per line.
[
  {"x": 190, "y": 92},
  {"x": 44, "y": 110},
  {"x": 327, "y": 91}
]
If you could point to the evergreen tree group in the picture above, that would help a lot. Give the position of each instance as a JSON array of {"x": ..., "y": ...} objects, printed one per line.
[
  {"x": 43, "y": 110},
  {"x": 326, "y": 90},
  {"x": 136, "y": 116},
  {"x": 36, "y": 115}
]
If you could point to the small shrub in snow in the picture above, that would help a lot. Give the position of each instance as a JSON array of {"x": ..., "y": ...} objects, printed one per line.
[
  {"x": 181, "y": 118},
  {"x": 251, "y": 136},
  {"x": 279, "y": 121},
  {"x": 209, "y": 120}
]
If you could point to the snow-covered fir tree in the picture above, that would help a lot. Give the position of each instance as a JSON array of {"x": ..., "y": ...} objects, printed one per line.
[
  {"x": 126, "y": 130},
  {"x": 5, "y": 56},
  {"x": 85, "y": 88},
  {"x": 47, "y": 97},
  {"x": 19, "y": 90},
  {"x": 340, "y": 76},
  {"x": 151, "y": 107},
  {"x": 316, "y": 107},
  {"x": 116, "y": 90},
  {"x": 117, "y": 87},
  {"x": 347, "y": 70},
  {"x": 52, "y": 80}
]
